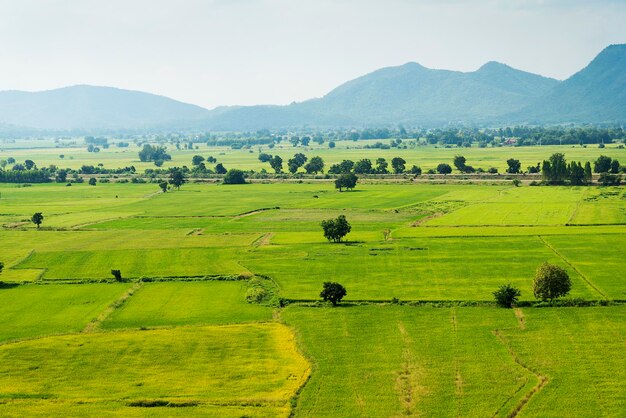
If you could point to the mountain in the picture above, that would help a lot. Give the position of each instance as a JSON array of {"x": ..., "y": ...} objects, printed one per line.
[
  {"x": 595, "y": 94},
  {"x": 94, "y": 108},
  {"x": 408, "y": 94}
]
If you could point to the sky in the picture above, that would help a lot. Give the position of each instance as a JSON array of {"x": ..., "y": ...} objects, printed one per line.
[{"x": 245, "y": 52}]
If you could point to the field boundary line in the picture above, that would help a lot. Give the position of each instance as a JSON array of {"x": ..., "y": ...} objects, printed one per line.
[
  {"x": 585, "y": 278},
  {"x": 262, "y": 240},
  {"x": 95, "y": 323},
  {"x": 541, "y": 379}
]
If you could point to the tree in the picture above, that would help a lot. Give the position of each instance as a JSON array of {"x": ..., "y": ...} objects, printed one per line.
[
  {"x": 263, "y": 157},
  {"x": 506, "y": 296},
  {"x": 29, "y": 164},
  {"x": 588, "y": 175},
  {"x": 220, "y": 169},
  {"x": 296, "y": 162},
  {"x": 153, "y": 153},
  {"x": 177, "y": 177},
  {"x": 37, "y": 219},
  {"x": 614, "y": 167},
  {"x": 381, "y": 166},
  {"x": 444, "y": 168},
  {"x": 277, "y": 164},
  {"x": 234, "y": 176},
  {"x": 346, "y": 180},
  {"x": 61, "y": 176},
  {"x": 1, "y": 266},
  {"x": 363, "y": 166},
  {"x": 576, "y": 173},
  {"x": 602, "y": 164},
  {"x": 197, "y": 159},
  {"x": 551, "y": 282},
  {"x": 554, "y": 171},
  {"x": 331, "y": 144},
  {"x": 398, "y": 165},
  {"x": 92, "y": 181},
  {"x": 315, "y": 165},
  {"x": 336, "y": 229},
  {"x": 416, "y": 170},
  {"x": 333, "y": 292},
  {"x": 514, "y": 166},
  {"x": 459, "y": 163},
  {"x": 163, "y": 186},
  {"x": 118, "y": 275}
]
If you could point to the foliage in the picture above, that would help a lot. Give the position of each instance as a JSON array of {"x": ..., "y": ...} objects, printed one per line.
[
  {"x": 234, "y": 176},
  {"x": 117, "y": 274},
  {"x": 506, "y": 296},
  {"x": 398, "y": 165},
  {"x": 315, "y": 165},
  {"x": 333, "y": 292},
  {"x": 514, "y": 166},
  {"x": 37, "y": 218},
  {"x": 177, "y": 177},
  {"x": 336, "y": 229},
  {"x": 551, "y": 282},
  {"x": 153, "y": 153},
  {"x": 346, "y": 180},
  {"x": 444, "y": 168}
]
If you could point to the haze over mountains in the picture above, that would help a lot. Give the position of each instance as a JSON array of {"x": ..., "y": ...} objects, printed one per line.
[{"x": 409, "y": 94}]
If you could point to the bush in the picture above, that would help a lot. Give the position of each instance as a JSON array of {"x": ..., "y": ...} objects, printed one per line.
[
  {"x": 506, "y": 296},
  {"x": 255, "y": 294}
]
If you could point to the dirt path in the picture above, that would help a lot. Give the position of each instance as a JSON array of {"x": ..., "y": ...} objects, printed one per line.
[{"x": 520, "y": 318}]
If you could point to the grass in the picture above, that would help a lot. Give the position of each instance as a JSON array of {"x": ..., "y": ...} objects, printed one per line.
[
  {"x": 409, "y": 241},
  {"x": 31, "y": 310},
  {"x": 239, "y": 365},
  {"x": 391, "y": 361},
  {"x": 185, "y": 303}
]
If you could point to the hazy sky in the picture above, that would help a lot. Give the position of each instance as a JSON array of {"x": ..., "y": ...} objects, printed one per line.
[{"x": 225, "y": 52}]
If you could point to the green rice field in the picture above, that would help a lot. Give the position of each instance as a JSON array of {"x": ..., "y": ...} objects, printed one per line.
[{"x": 417, "y": 334}]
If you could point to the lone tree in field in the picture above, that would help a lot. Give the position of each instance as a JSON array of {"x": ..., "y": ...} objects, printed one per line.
[
  {"x": 346, "y": 180},
  {"x": 163, "y": 186},
  {"x": 234, "y": 176},
  {"x": 336, "y": 229},
  {"x": 177, "y": 177},
  {"x": 551, "y": 282},
  {"x": 37, "y": 219},
  {"x": 506, "y": 296},
  {"x": 117, "y": 274},
  {"x": 92, "y": 181},
  {"x": 333, "y": 292}
]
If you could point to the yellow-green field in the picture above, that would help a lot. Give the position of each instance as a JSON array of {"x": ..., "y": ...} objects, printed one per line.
[{"x": 417, "y": 333}]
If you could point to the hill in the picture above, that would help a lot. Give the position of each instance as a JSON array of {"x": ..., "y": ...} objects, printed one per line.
[
  {"x": 596, "y": 94},
  {"x": 93, "y": 108},
  {"x": 409, "y": 93}
]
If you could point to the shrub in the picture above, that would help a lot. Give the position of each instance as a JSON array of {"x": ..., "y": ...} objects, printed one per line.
[
  {"x": 506, "y": 296},
  {"x": 255, "y": 294}
]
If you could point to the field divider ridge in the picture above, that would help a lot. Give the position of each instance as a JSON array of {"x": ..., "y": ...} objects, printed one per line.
[
  {"x": 542, "y": 380},
  {"x": 95, "y": 323}
]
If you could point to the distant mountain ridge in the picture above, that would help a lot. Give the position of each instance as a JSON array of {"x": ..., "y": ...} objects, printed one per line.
[
  {"x": 91, "y": 107},
  {"x": 409, "y": 94}
]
